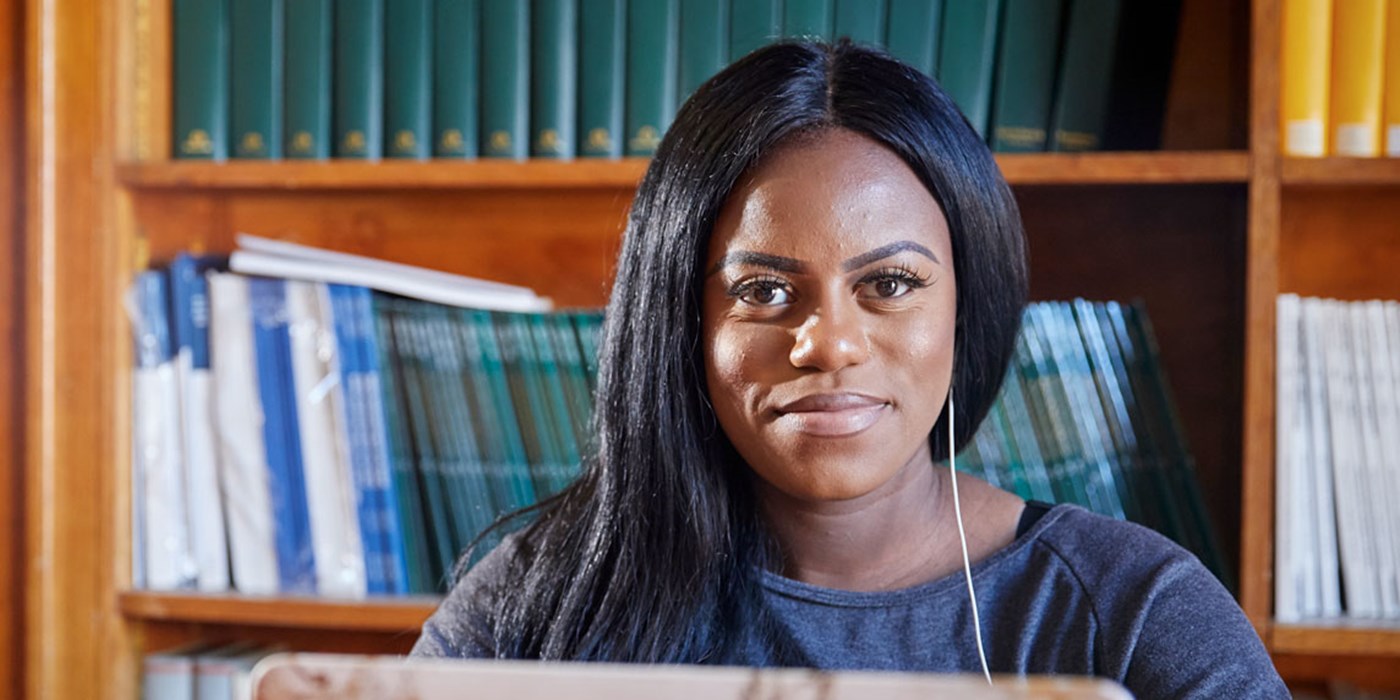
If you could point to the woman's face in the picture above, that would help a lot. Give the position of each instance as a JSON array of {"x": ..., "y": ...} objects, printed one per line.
[{"x": 828, "y": 313}]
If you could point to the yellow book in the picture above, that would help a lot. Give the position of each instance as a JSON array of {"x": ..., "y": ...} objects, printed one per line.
[
  {"x": 1307, "y": 55},
  {"x": 1358, "y": 49},
  {"x": 1392, "y": 79}
]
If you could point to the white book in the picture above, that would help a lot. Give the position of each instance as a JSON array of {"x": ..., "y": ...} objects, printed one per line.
[
  {"x": 1359, "y": 576},
  {"x": 243, "y": 470},
  {"x": 325, "y": 452},
  {"x": 1388, "y": 426},
  {"x": 1291, "y": 568},
  {"x": 1321, "y": 490},
  {"x": 1378, "y": 500},
  {"x": 272, "y": 259},
  {"x": 206, "y": 512}
]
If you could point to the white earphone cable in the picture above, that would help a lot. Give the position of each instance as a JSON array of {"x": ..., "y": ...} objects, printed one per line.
[{"x": 962, "y": 536}]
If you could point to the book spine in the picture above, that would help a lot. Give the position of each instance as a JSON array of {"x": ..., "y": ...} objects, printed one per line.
[
  {"x": 861, "y": 21},
  {"x": 201, "y": 79},
  {"x": 652, "y": 57},
  {"x": 601, "y": 82},
  {"x": 753, "y": 24},
  {"x": 1081, "y": 102},
  {"x": 553, "y": 78},
  {"x": 967, "y": 56},
  {"x": 499, "y": 392},
  {"x": 388, "y": 521},
  {"x": 1029, "y": 45},
  {"x": 912, "y": 33},
  {"x": 808, "y": 19},
  {"x": 1391, "y": 116},
  {"x": 359, "y": 79},
  {"x": 257, "y": 63},
  {"x": 307, "y": 80},
  {"x": 505, "y": 78},
  {"x": 456, "y": 97},
  {"x": 286, "y": 485},
  {"x": 1358, "y": 56},
  {"x": 408, "y": 79},
  {"x": 1306, "y": 80},
  {"x": 704, "y": 42}
]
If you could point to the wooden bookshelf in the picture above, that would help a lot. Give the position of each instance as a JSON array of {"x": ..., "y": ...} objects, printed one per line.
[
  {"x": 1154, "y": 168},
  {"x": 399, "y": 615},
  {"x": 1209, "y": 234}
]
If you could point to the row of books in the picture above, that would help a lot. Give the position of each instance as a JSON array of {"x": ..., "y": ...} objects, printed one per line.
[
  {"x": 312, "y": 79},
  {"x": 1337, "y": 476},
  {"x": 302, "y": 436},
  {"x": 1085, "y": 416},
  {"x": 201, "y": 673},
  {"x": 1341, "y": 78}
]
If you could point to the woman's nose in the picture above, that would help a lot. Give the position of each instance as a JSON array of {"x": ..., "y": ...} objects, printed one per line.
[{"x": 832, "y": 337}]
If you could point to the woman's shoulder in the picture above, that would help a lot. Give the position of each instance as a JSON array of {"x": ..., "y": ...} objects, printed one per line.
[
  {"x": 1089, "y": 542},
  {"x": 462, "y": 626}
]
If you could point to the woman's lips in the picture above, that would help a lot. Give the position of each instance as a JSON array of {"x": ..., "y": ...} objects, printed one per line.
[{"x": 832, "y": 415}]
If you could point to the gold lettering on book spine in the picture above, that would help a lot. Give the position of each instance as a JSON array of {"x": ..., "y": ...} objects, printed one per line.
[
  {"x": 646, "y": 140},
  {"x": 252, "y": 144},
  {"x": 599, "y": 140},
  {"x": 1020, "y": 135},
  {"x": 1077, "y": 140},
  {"x": 549, "y": 142},
  {"x": 499, "y": 142},
  {"x": 302, "y": 143},
  {"x": 404, "y": 142},
  {"x": 451, "y": 142},
  {"x": 197, "y": 143},
  {"x": 353, "y": 144}
]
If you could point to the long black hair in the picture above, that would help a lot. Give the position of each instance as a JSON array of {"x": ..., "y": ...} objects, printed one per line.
[{"x": 652, "y": 555}]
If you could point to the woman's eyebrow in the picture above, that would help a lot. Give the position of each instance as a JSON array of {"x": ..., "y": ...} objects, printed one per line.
[
  {"x": 886, "y": 251},
  {"x": 746, "y": 257}
]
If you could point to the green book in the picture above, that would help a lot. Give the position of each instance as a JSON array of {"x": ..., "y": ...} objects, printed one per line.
[
  {"x": 1025, "y": 77},
  {"x": 652, "y": 56},
  {"x": 481, "y": 418},
  {"x": 602, "y": 57},
  {"x": 308, "y": 79},
  {"x": 574, "y": 375},
  {"x": 913, "y": 31},
  {"x": 432, "y": 476},
  {"x": 455, "y": 96},
  {"x": 861, "y": 21},
  {"x": 704, "y": 42},
  {"x": 753, "y": 24},
  {"x": 807, "y": 19},
  {"x": 967, "y": 51},
  {"x": 555, "y": 409},
  {"x": 518, "y": 361},
  {"x": 408, "y": 78},
  {"x": 359, "y": 79},
  {"x": 408, "y": 501},
  {"x": 496, "y": 391},
  {"x": 553, "y": 78},
  {"x": 505, "y": 78},
  {"x": 588, "y": 328},
  {"x": 255, "y": 101},
  {"x": 1086, "y": 69},
  {"x": 201, "y": 75}
]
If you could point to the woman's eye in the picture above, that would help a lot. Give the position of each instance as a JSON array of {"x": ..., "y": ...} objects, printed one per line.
[
  {"x": 889, "y": 287},
  {"x": 765, "y": 294}
]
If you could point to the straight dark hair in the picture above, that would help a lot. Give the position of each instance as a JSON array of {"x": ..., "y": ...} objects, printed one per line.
[{"x": 653, "y": 554}]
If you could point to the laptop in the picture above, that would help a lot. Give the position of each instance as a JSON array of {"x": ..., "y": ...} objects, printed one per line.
[{"x": 316, "y": 676}]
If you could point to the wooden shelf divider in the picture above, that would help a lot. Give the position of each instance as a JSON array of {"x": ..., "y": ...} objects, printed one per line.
[
  {"x": 1150, "y": 168},
  {"x": 1345, "y": 172},
  {"x": 1340, "y": 637},
  {"x": 398, "y": 614}
]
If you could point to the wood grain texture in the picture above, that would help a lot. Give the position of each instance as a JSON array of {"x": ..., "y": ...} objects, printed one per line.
[
  {"x": 1257, "y": 508},
  {"x": 1376, "y": 638},
  {"x": 1339, "y": 172},
  {"x": 11, "y": 346},
  {"x": 392, "y": 615},
  {"x": 1342, "y": 243},
  {"x": 74, "y": 645}
]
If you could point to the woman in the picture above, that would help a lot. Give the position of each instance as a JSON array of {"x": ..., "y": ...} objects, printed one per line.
[{"x": 823, "y": 273}]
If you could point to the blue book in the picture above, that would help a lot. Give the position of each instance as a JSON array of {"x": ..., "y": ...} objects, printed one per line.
[
  {"x": 369, "y": 386},
  {"x": 282, "y": 436}
]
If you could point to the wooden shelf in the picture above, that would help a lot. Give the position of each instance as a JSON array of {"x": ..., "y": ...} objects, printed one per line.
[
  {"x": 1154, "y": 168},
  {"x": 1341, "y": 171},
  {"x": 405, "y": 614},
  {"x": 1379, "y": 638}
]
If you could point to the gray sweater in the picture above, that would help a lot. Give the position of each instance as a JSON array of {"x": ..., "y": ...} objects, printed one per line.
[{"x": 1076, "y": 594}]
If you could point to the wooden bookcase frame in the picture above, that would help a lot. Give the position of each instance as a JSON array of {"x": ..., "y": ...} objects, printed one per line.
[{"x": 1221, "y": 225}]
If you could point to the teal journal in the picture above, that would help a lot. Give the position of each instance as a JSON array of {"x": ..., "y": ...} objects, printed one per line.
[
  {"x": 1086, "y": 69},
  {"x": 505, "y": 78},
  {"x": 753, "y": 24},
  {"x": 807, "y": 19},
  {"x": 602, "y": 54},
  {"x": 967, "y": 56},
  {"x": 1025, "y": 83},
  {"x": 652, "y": 30},
  {"x": 554, "y": 78},
  {"x": 913, "y": 31},
  {"x": 359, "y": 79},
  {"x": 255, "y": 115},
  {"x": 455, "y": 97},
  {"x": 308, "y": 79},
  {"x": 201, "y": 79},
  {"x": 861, "y": 21},
  {"x": 704, "y": 42},
  {"x": 408, "y": 55}
]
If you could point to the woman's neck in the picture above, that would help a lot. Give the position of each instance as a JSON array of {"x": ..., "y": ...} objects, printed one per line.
[{"x": 903, "y": 534}]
